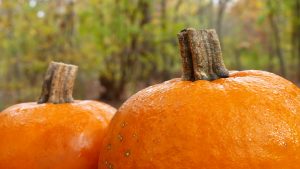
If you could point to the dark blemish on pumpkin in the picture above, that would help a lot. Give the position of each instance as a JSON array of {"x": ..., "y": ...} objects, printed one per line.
[
  {"x": 120, "y": 137},
  {"x": 108, "y": 147},
  {"x": 127, "y": 153},
  {"x": 156, "y": 141}
]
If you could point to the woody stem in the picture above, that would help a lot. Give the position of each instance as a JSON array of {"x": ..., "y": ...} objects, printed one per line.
[
  {"x": 58, "y": 83},
  {"x": 201, "y": 55}
]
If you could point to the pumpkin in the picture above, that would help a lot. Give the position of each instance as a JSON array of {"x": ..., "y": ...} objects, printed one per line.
[
  {"x": 212, "y": 118},
  {"x": 56, "y": 132}
]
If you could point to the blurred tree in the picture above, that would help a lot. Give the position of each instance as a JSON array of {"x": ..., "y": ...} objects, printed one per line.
[
  {"x": 126, "y": 45},
  {"x": 273, "y": 10},
  {"x": 295, "y": 8},
  {"x": 220, "y": 16}
]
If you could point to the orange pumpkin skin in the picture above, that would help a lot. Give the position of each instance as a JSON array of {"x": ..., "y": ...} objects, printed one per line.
[
  {"x": 250, "y": 120},
  {"x": 53, "y": 136}
]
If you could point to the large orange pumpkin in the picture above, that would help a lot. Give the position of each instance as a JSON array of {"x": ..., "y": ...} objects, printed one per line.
[
  {"x": 44, "y": 135},
  {"x": 210, "y": 119}
]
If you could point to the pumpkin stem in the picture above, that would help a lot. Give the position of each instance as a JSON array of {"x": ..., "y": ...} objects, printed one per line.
[
  {"x": 58, "y": 83},
  {"x": 201, "y": 55}
]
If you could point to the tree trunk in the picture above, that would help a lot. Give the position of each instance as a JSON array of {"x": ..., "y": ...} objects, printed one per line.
[
  {"x": 296, "y": 34},
  {"x": 238, "y": 62},
  {"x": 210, "y": 10},
  {"x": 271, "y": 57},
  {"x": 127, "y": 57},
  {"x": 276, "y": 35},
  {"x": 220, "y": 16}
]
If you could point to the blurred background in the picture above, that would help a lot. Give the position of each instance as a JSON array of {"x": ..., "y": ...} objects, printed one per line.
[{"x": 123, "y": 46}]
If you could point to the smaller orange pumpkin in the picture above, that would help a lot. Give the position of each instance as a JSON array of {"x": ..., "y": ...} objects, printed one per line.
[{"x": 57, "y": 132}]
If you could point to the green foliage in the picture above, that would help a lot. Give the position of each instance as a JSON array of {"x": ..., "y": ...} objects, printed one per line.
[{"x": 128, "y": 44}]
